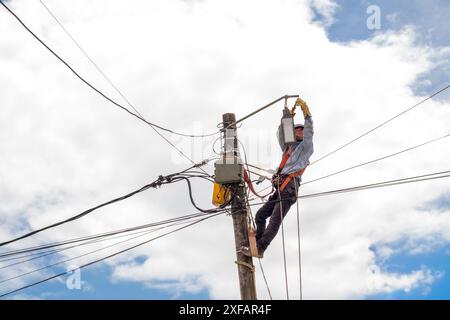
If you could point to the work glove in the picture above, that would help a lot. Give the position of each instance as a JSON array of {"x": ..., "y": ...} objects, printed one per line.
[
  {"x": 293, "y": 111},
  {"x": 304, "y": 107}
]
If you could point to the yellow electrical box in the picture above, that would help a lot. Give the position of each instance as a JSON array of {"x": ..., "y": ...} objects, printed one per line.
[{"x": 220, "y": 195}]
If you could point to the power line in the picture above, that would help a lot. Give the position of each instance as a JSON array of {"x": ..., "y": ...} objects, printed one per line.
[
  {"x": 85, "y": 254},
  {"x": 280, "y": 203},
  {"x": 378, "y": 159},
  {"x": 101, "y": 235},
  {"x": 94, "y": 88},
  {"x": 112, "y": 84},
  {"x": 358, "y": 188},
  {"x": 104, "y": 258},
  {"x": 37, "y": 251},
  {"x": 264, "y": 278},
  {"x": 364, "y": 163},
  {"x": 89, "y": 58},
  {"x": 78, "y": 216},
  {"x": 426, "y": 177},
  {"x": 380, "y": 125},
  {"x": 381, "y": 184},
  {"x": 161, "y": 180},
  {"x": 299, "y": 247},
  {"x": 39, "y": 255}
]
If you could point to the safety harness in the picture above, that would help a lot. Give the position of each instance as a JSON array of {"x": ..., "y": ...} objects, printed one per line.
[
  {"x": 285, "y": 182},
  {"x": 284, "y": 159}
]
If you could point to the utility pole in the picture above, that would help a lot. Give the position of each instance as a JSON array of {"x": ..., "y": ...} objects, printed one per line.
[{"x": 246, "y": 269}]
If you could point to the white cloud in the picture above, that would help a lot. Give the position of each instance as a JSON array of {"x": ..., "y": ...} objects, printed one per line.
[
  {"x": 387, "y": 283},
  {"x": 327, "y": 9},
  {"x": 64, "y": 149}
]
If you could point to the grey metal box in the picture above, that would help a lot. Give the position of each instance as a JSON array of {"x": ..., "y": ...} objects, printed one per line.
[{"x": 228, "y": 171}]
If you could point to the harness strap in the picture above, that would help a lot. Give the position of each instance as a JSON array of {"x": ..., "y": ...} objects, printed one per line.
[
  {"x": 290, "y": 177},
  {"x": 284, "y": 159},
  {"x": 251, "y": 187}
]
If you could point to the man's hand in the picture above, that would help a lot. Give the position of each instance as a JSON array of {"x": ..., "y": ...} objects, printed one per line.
[
  {"x": 304, "y": 107},
  {"x": 275, "y": 180},
  {"x": 293, "y": 111}
]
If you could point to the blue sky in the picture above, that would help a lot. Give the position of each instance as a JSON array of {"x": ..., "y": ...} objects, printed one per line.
[
  {"x": 101, "y": 287},
  {"x": 436, "y": 260},
  {"x": 430, "y": 20}
]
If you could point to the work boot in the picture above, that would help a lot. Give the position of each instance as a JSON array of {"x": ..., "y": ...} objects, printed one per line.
[
  {"x": 260, "y": 253},
  {"x": 247, "y": 252}
]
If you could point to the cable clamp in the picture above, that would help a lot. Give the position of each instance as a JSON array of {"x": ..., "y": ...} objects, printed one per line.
[
  {"x": 245, "y": 264},
  {"x": 202, "y": 163}
]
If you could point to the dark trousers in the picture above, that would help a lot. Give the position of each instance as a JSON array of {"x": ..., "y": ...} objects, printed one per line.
[{"x": 265, "y": 234}]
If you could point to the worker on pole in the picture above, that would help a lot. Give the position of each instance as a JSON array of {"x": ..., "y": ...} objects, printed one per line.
[{"x": 286, "y": 181}]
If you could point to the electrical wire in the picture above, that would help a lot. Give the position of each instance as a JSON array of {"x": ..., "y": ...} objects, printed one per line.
[
  {"x": 161, "y": 180},
  {"x": 378, "y": 159},
  {"x": 83, "y": 255},
  {"x": 364, "y": 163},
  {"x": 426, "y": 177},
  {"x": 214, "y": 144},
  {"x": 299, "y": 246},
  {"x": 40, "y": 255},
  {"x": 104, "y": 258},
  {"x": 94, "y": 88},
  {"x": 89, "y": 58},
  {"x": 112, "y": 84},
  {"x": 100, "y": 235},
  {"x": 382, "y": 124},
  {"x": 82, "y": 214},
  {"x": 420, "y": 178},
  {"x": 280, "y": 203}
]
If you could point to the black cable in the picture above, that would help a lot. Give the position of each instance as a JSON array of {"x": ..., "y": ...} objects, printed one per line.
[
  {"x": 114, "y": 86},
  {"x": 78, "y": 216},
  {"x": 380, "y": 125},
  {"x": 88, "y": 57},
  {"x": 101, "y": 235},
  {"x": 93, "y": 239},
  {"x": 94, "y": 88},
  {"x": 192, "y": 198},
  {"x": 61, "y": 247},
  {"x": 161, "y": 180},
  {"x": 39, "y": 255},
  {"x": 197, "y": 174},
  {"x": 84, "y": 254},
  {"x": 375, "y": 185},
  {"x": 104, "y": 258}
]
